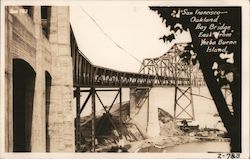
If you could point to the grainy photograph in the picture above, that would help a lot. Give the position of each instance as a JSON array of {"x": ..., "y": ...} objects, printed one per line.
[{"x": 109, "y": 78}]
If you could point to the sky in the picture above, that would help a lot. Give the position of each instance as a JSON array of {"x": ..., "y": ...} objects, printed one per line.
[{"x": 136, "y": 29}]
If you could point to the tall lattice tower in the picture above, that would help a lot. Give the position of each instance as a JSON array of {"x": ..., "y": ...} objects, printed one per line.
[{"x": 171, "y": 66}]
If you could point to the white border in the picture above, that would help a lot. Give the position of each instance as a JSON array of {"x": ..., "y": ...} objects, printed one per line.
[{"x": 245, "y": 78}]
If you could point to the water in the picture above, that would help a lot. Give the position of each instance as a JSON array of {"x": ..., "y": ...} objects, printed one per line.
[{"x": 194, "y": 147}]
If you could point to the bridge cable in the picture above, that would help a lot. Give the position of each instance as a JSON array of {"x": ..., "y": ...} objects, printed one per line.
[{"x": 119, "y": 46}]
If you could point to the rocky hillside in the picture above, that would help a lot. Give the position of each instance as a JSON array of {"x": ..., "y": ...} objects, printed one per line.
[
  {"x": 109, "y": 128},
  {"x": 167, "y": 125}
]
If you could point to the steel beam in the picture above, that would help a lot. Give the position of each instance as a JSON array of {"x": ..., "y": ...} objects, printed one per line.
[
  {"x": 108, "y": 111},
  {"x": 85, "y": 102},
  {"x": 77, "y": 120},
  {"x": 120, "y": 106},
  {"x": 93, "y": 118}
]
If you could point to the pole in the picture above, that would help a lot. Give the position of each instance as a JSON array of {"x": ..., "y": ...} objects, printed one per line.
[
  {"x": 120, "y": 105},
  {"x": 176, "y": 84},
  {"x": 77, "y": 121},
  {"x": 93, "y": 118},
  {"x": 147, "y": 107}
]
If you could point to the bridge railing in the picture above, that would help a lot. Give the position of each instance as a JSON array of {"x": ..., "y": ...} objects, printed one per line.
[{"x": 112, "y": 78}]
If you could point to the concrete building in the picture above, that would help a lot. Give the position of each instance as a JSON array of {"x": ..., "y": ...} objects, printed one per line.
[{"x": 38, "y": 80}]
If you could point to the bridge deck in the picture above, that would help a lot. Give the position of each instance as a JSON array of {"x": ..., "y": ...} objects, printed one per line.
[{"x": 85, "y": 74}]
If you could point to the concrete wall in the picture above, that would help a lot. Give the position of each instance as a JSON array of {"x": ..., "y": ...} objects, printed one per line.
[{"x": 25, "y": 40}]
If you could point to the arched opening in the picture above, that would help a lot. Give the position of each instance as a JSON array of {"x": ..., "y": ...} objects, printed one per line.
[
  {"x": 47, "y": 99},
  {"x": 23, "y": 97}
]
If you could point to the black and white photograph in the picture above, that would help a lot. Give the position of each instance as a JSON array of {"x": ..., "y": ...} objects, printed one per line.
[{"x": 124, "y": 79}]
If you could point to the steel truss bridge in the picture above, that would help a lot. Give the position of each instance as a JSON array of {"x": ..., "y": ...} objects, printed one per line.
[{"x": 167, "y": 70}]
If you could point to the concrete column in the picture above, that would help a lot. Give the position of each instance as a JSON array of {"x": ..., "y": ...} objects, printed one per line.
[
  {"x": 153, "y": 129},
  {"x": 8, "y": 83},
  {"x": 133, "y": 102},
  {"x": 38, "y": 139},
  {"x": 61, "y": 117},
  {"x": 139, "y": 108}
]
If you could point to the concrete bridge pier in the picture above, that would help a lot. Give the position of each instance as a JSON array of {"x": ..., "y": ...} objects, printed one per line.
[
  {"x": 153, "y": 129},
  {"x": 61, "y": 118},
  {"x": 38, "y": 137},
  {"x": 143, "y": 112}
]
